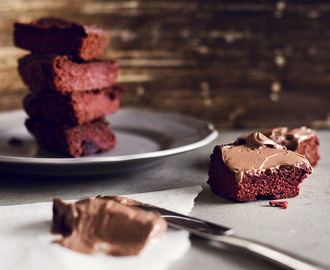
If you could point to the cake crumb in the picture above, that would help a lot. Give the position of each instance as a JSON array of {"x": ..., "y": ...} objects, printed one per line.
[{"x": 283, "y": 204}]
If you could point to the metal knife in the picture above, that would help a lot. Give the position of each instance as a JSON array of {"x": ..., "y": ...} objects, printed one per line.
[{"x": 224, "y": 235}]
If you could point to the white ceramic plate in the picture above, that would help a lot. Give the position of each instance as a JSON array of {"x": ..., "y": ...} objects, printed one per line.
[{"x": 144, "y": 137}]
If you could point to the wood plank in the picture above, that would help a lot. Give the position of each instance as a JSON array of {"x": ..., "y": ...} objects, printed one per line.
[{"x": 235, "y": 63}]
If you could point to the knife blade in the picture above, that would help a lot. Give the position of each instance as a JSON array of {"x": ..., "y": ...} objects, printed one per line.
[
  {"x": 195, "y": 226},
  {"x": 224, "y": 235}
]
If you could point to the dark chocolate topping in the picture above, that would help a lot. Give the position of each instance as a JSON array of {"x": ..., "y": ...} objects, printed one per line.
[{"x": 93, "y": 225}]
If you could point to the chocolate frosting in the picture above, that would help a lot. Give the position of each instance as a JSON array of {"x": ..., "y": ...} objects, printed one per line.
[
  {"x": 257, "y": 140},
  {"x": 103, "y": 225},
  {"x": 290, "y": 138},
  {"x": 259, "y": 154},
  {"x": 123, "y": 200}
]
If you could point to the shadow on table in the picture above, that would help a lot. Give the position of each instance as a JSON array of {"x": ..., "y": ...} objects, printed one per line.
[
  {"x": 202, "y": 164},
  {"x": 221, "y": 256},
  {"x": 207, "y": 196},
  {"x": 20, "y": 189}
]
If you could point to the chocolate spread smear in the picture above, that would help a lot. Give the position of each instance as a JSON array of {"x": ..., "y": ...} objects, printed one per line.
[{"x": 104, "y": 225}]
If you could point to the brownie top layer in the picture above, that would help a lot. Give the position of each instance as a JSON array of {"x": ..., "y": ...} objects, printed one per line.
[
  {"x": 55, "y": 23},
  {"x": 93, "y": 225},
  {"x": 52, "y": 35},
  {"x": 259, "y": 154},
  {"x": 60, "y": 73},
  {"x": 52, "y": 23}
]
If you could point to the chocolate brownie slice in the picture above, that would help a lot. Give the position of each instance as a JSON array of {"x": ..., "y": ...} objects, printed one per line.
[
  {"x": 302, "y": 140},
  {"x": 72, "y": 108},
  {"x": 50, "y": 35},
  {"x": 59, "y": 73},
  {"x": 259, "y": 169},
  {"x": 83, "y": 140}
]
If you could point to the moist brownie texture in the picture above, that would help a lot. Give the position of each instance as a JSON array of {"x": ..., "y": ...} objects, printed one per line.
[
  {"x": 93, "y": 225},
  {"x": 258, "y": 169},
  {"x": 71, "y": 88},
  {"x": 302, "y": 140},
  {"x": 49, "y": 35},
  {"x": 59, "y": 73},
  {"x": 82, "y": 140},
  {"x": 72, "y": 108}
]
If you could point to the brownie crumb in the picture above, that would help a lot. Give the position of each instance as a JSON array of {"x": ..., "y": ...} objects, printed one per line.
[{"x": 283, "y": 204}]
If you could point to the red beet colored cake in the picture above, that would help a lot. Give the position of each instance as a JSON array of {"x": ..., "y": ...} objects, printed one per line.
[
  {"x": 258, "y": 169},
  {"x": 59, "y": 73},
  {"x": 302, "y": 140},
  {"x": 82, "y": 140},
  {"x": 282, "y": 204},
  {"x": 72, "y": 108},
  {"x": 49, "y": 35}
]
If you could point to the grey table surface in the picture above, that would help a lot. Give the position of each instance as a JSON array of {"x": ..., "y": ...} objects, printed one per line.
[{"x": 303, "y": 228}]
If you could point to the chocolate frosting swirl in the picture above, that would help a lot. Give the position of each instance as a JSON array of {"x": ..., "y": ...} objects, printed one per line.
[{"x": 258, "y": 140}]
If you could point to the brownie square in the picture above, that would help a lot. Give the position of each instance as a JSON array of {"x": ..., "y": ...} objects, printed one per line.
[
  {"x": 82, "y": 140},
  {"x": 259, "y": 169},
  {"x": 50, "y": 35},
  {"x": 59, "y": 73},
  {"x": 72, "y": 108}
]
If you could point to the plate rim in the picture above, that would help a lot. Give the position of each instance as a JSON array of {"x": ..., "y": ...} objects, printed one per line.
[{"x": 212, "y": 135}]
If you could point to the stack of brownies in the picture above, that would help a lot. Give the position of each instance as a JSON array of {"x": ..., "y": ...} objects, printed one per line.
[{"x": 71, "y": 89}]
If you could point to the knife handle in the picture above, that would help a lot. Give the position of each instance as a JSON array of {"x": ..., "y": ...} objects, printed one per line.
[{"x": 276, "y": 255}]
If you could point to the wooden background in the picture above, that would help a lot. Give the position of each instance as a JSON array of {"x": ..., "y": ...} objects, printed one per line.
[{"x": 238, "y": 64}]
